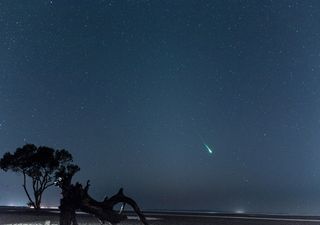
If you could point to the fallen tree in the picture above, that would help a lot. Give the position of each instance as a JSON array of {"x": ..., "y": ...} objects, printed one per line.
[{"x": 76, "y": 197}]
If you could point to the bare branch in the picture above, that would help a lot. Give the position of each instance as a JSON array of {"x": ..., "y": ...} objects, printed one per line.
[
  {"x": 76, "y": 197},
  {"x": 25, "y": 189}
]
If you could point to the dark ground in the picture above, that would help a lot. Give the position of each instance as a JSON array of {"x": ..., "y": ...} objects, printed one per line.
[{"x": 24, "y": 216}]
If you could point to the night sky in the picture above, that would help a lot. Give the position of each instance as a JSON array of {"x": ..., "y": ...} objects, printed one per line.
[{"x": 136, "y": 89}]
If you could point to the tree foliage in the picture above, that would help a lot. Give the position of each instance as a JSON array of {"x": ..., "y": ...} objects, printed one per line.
[{"x": 41, "y": 165}]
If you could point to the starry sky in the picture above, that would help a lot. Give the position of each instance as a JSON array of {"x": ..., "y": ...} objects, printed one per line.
[{"x": 135, "y": 89}]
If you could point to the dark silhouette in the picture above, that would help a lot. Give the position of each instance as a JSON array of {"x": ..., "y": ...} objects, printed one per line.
[
  {"x": 76, "y": 197},
  {"x": 46, "y": 167},
  {"x": 40, "y": 165},
  {"x": 70, "y": 197}
]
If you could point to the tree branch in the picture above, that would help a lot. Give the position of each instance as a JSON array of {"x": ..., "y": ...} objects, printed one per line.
[
  {"x": 25, "y": 189},
  {"x": 35, "y": 192}
]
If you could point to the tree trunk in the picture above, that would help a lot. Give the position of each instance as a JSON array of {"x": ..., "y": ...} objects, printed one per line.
[
  {"x": 37, "y": 201},
  {"x": 76, "y": 197},
  {"x": 68, "y": 207},
  {"x": 67, "y": 214}
]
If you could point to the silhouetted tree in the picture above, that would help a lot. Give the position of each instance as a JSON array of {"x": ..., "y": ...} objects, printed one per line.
[
  {"x": 46, "y": 167},
  {"x": 40, "y": 164}
]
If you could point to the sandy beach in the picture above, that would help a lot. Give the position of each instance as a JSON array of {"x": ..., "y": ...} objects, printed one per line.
[{"x": 25, "y": 216}]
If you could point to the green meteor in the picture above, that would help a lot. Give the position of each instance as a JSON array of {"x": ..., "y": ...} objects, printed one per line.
[
  {"x": 208, "y": 148},
  {"x": 210, "y": 151}
]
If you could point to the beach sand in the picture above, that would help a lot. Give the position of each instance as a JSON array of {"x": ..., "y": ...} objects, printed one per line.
[{"x": 24, "y": 216}]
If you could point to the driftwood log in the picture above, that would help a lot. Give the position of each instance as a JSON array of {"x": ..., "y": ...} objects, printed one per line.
[{"x": 76, "y": 197}]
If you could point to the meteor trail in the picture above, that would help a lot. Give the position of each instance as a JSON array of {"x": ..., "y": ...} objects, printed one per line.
[{"x": 205, "y": 145}]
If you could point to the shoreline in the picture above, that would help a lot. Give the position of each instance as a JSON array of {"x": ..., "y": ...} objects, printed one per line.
[{"x": 188, "y": 213}]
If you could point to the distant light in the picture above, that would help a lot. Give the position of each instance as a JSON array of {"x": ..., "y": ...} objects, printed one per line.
[
  {"x": 49, "y": 207},
  {"x": 239, "y": 211},
  {"x": 15, "y": 204}
]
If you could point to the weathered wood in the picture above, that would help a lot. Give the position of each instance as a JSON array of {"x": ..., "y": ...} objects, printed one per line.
[
  {"x": 104, "y": 210},
  {"x": 76, "y": 197}
]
